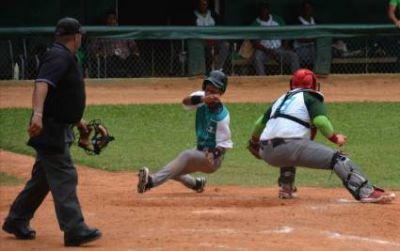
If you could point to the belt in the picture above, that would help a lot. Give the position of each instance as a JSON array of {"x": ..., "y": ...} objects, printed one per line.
[{"x": 274, "y": 142}]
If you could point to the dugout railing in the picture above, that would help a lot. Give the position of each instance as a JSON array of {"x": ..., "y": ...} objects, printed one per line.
[{"x": 190, "y": 51}]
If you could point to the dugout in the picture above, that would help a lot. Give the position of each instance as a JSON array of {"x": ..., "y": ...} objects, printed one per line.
[
  {"x": 161, "y": 12},
  {"x": 22, "y": 13}
]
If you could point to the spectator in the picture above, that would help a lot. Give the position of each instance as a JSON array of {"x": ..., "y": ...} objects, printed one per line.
[
  {"x": 219, "y": 49},
  {"x": 305, "y": 48},
  {"x": 115, "y": 57},
  {"x": 393, "y": 5},
  {"x": 271, "y": 49}
]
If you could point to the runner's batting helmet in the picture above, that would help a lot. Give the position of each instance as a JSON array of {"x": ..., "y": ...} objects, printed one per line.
[
  {"x": 304, "y": 78},
  {"x": 218, "y": 79}
]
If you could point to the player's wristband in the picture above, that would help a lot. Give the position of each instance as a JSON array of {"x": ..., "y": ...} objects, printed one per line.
[
  {"x": 333, "y": 138},
  {"x": 38, "y": 114},
  {"x": 196, "y": 99}
]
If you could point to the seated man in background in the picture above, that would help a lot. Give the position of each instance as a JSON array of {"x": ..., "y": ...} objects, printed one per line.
[
  {"x": 393, "y": 6},
  {"x": 305, "y": 48},
  {"x": 271, "y": 49},
  {"x": 115, "y": 57},
  {"x": 216, "y": 51}
]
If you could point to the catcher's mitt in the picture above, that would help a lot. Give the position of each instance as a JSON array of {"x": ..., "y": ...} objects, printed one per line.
[
  {"x": 254, "y": 147},
  {"x": 95, "y": 139}
]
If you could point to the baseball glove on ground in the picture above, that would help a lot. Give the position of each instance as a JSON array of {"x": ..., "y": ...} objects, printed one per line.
[
  {"x": 95, "y": 139},
  {"x": 254, "y": 147}
]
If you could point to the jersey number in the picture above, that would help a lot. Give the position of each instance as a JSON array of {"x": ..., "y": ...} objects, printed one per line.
[{"x": 287, "y": 103}]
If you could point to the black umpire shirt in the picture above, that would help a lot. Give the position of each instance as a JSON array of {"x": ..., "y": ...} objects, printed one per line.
[{"x": 65, "y": 100}]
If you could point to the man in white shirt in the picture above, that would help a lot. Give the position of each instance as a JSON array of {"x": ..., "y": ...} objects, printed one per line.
[
  {"x": 271, "y": 49},
  {"x": 305, "y": 48},
  {"x": 216, "y": 51}
]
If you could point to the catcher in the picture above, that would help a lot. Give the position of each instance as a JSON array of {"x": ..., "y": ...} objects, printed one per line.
[
  {"x": 284, "y": 136},
  {"x": 213, "y": 139}
]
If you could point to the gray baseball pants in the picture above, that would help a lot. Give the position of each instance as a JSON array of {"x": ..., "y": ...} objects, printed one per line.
[
  {"x": 187, "y": 162},
  {"x": 286, "y": 57},
  {"x": 310, "y": 154}
]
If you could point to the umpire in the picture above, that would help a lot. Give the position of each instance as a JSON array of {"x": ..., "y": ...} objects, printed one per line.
[{"x": 58, "y": 104}]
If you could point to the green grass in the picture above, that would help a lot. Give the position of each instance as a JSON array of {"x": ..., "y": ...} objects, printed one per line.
[
  {"x": 6, "y": 180},
  {"x": 152, "y": 135}
]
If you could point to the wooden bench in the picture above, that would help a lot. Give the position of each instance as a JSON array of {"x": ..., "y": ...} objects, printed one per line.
[
  {"x": 363, "y": 64},
  {"x": 365, "y": 60},
  {"x": 239, "y": 62}
]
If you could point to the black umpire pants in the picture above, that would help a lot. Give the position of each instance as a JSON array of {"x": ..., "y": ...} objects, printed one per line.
[{"x": 57, "y": 174}]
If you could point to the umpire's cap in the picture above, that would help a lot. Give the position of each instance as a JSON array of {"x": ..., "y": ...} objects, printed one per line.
[{"x": 68, "y": 26}]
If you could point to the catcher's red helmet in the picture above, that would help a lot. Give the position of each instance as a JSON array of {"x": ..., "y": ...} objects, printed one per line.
[{"x": 304, "y": 78}]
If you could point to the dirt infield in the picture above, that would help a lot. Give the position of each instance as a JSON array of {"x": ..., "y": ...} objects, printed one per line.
[
  {"x": 224, "y": 217},
  {"x": 339, "y": 88}
]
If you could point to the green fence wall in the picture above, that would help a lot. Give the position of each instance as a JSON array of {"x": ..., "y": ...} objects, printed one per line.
[{"x": 322, "y": 33}]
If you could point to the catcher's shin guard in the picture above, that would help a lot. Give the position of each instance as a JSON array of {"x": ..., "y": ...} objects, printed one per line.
[
  {"x": 287, "y": 189},
  {"x": 287, "y": 176},
  {"x": 352, "y": 178}
]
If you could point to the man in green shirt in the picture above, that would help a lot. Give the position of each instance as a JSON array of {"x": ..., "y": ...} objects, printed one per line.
[{"x": 393, "y": 5}]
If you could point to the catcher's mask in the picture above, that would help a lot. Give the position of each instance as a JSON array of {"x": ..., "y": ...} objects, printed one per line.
[
  {"x": 98, "y": 136},
  {"x": 218, "y": 79},
  {"x": 304, "y": 78}
]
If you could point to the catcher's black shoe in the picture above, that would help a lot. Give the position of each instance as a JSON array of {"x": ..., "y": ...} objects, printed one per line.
[
  {"x": 21, "y": 230},
  {"x": 144, "y": 183},
  {"x": 200, "y": 184},
  {"x": 287, "y": 192}
]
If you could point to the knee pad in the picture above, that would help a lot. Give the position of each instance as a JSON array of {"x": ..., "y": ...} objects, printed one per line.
[{"x": 349, "y": 173}]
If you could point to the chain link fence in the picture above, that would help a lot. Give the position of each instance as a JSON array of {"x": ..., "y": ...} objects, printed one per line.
[{"x": 128, "y": 58}]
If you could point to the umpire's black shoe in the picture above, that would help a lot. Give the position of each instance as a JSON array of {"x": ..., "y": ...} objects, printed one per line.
[
  {"x": 80, "y": 237},
  {"x": 21, "y": 230}
]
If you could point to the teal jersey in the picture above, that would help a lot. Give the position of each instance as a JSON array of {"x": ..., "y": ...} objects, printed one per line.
[{"x": 212, "y": 128}]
